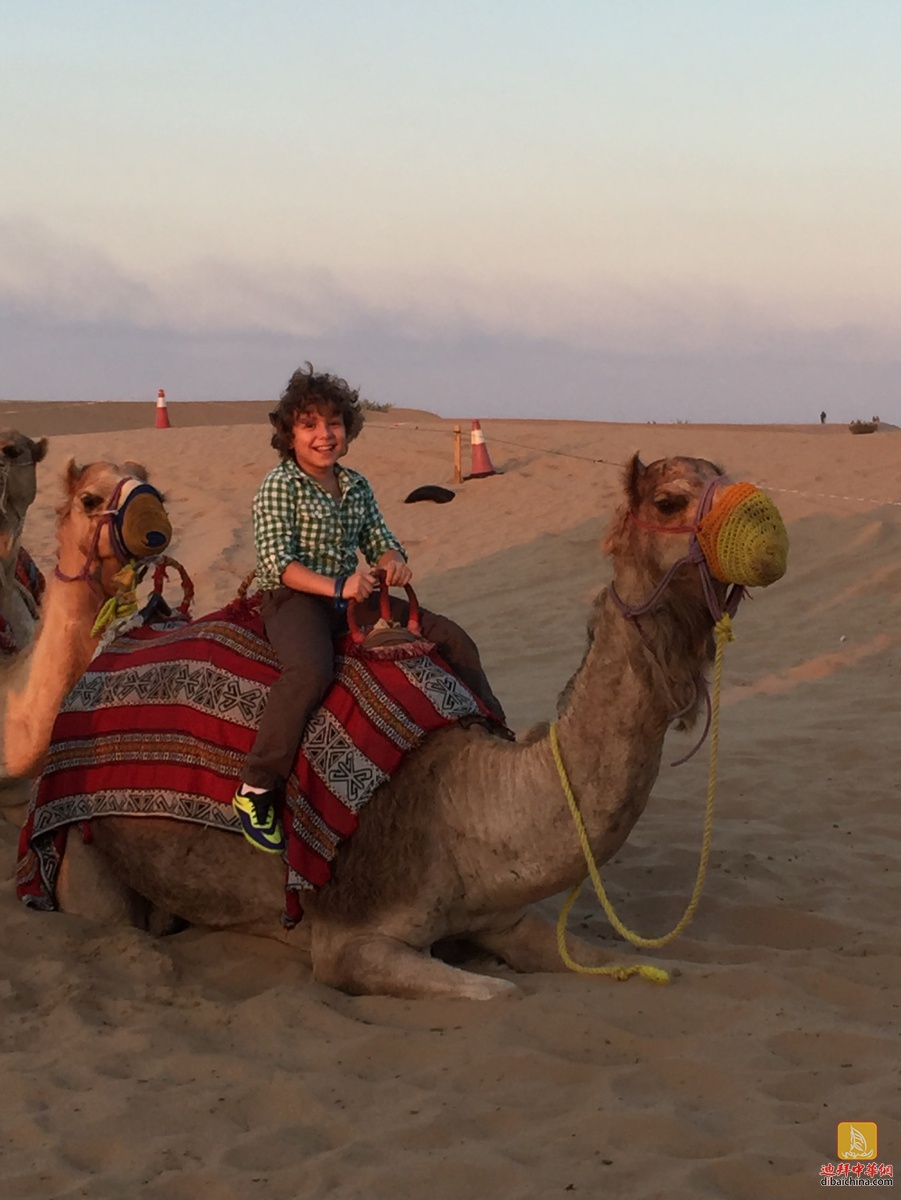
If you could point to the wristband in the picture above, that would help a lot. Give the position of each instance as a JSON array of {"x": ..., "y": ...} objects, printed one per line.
[{"x": 340, "y": 602}]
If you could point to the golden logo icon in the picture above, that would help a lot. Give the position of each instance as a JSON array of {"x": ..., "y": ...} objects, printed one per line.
[{"x": 856, "y": 1140}]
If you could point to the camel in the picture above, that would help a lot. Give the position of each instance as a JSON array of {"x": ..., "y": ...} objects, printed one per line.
[
  {"x": 110, "y": 514},
  {"x": 19, "y": 457},
  {"x": 472, "y": 830}
]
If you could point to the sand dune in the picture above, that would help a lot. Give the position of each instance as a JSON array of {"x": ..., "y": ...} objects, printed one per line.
[{"x": 211, "y": 1065}]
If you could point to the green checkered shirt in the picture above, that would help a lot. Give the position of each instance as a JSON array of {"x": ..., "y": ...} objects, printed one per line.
[{"x": 295, "y": 520}]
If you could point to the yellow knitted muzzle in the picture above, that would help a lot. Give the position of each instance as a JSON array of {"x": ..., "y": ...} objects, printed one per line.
[
  {"x": 743, "y": 537},
  {"x": 141, "y": 527}
]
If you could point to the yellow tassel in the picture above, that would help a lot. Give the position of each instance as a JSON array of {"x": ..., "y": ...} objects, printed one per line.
[{"x": 124, "y": 604}]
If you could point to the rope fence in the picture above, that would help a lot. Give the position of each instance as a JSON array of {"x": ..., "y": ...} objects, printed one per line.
[
  {"x": 830, "y": 496},
  {"x": 618, "y": 465}
]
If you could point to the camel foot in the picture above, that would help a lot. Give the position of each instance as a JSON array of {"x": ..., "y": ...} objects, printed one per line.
[
  {"x": 529, "y": 945},
  {"x": 374, "y": 964}
]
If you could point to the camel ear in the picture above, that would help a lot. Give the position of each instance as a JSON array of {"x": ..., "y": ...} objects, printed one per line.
[
  {"x": 632, "y": 477},
  {"x": 71, "y": 475},
  {"x": 38, "y": 450},
  {"x": 139, "y": 471},
  {"x": 617, "y": 537}
]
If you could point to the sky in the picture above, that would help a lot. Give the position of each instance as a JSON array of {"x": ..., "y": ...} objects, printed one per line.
[{"x": 598, "y": 209}]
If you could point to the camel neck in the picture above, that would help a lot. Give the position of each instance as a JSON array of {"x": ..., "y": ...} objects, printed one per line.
[
  {"x": 46, "y": 674},
  {"x": 611, "y": 728}
]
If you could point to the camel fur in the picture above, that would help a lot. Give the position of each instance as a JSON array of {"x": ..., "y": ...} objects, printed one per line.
[
  {"x": 472, "y": 830},
  {"x": 19, "y": 457}
]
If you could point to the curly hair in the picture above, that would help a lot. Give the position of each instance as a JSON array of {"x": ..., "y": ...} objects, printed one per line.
[{"x": 308, "y": 389}]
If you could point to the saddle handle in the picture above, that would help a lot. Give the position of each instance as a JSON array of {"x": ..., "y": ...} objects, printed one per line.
[
  {"x": 413, "y": 621},
  {"x": 161, "y": 574}
]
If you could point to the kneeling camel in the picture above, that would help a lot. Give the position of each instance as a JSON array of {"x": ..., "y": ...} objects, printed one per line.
[{"x": 472, "y": 830}]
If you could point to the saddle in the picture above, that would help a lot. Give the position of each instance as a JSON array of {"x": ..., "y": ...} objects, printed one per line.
[{"x": 160, "y": 724}]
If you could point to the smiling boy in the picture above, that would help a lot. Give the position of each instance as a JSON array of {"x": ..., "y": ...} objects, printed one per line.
[{"x": 311, "y": 516}]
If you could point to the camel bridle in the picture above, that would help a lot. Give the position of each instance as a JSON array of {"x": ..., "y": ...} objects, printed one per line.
[
  {"x": 722, "y": 620},
  {"x": 695, "y": 557},
  {"x": 112, "y": 517}
]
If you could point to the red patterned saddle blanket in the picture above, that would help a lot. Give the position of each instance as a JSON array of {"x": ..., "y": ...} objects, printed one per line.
[{"x": 161, "y": 722}]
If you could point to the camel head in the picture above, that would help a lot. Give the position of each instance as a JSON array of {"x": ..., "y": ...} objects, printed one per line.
[
  {"x": 19, "y": 457},
  {"x": 110, "y": 516},
  {"x": 683, "y": 522}
]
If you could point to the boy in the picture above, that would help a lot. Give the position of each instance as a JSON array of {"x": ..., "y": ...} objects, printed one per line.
[{"x": 310, "y": 517}]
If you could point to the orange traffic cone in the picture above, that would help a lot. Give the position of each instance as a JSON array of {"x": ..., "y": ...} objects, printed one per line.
[
  {"x": 162, "y": 413},
  {"x": 481, "y": 463}
]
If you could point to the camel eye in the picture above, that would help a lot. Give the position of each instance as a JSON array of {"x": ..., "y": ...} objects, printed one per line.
[
  {"x": 90, "y": 502},
  {"x": 671, "y": 504}
]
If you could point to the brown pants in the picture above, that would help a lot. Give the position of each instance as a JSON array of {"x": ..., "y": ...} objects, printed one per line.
[{"x": 301, "y": 629}]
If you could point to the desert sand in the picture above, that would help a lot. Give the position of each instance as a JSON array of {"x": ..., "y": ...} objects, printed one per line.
[{"x": 210, "y": 1065}]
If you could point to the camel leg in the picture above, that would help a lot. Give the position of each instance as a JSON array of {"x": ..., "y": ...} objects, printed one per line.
[
  {"x": 530, "y": 945},
  {"x": 87, "y": 887},
  {"x": 376, "y": 964},
  {"x": 14, "y": 795}
]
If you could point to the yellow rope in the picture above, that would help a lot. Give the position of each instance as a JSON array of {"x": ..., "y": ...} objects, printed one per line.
[{"x": 723, "y": 631}]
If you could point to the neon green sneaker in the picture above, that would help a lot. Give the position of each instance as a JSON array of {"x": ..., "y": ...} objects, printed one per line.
[{"x": 259, "y": 822}]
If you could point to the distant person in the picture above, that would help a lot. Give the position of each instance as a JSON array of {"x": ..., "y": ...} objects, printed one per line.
[{"x": 822, "y": 418}]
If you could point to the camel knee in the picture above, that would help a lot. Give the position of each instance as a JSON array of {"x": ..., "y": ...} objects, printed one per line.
[{"x": 357, "y": 964}]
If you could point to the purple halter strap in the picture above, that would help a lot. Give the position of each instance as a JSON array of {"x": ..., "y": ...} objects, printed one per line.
[
  {"x": 107, "y": 516},
  {"x": 695, "y": 557}
]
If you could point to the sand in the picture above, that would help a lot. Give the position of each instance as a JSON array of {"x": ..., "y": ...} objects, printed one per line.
[{"x": 210, "y": 1065}]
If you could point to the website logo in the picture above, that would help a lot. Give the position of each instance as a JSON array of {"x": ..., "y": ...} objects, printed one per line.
[{"x": 856, "y": 1141}]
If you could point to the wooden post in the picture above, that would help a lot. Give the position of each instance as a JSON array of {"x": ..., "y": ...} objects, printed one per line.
[{"x": 458, "y": 454}]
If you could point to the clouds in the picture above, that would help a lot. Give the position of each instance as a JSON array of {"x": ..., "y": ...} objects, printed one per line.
[
  {"x": 454, "y": 373},
  {"x": 56, "y": 279},
  {"x": 52, "y": 279},
  {"x": 75, "y": 324}
]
